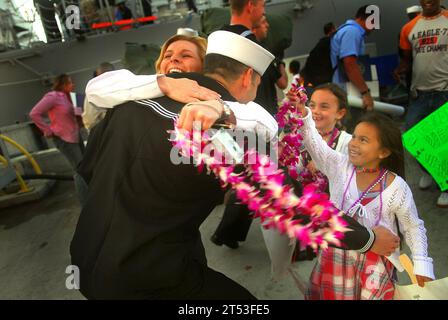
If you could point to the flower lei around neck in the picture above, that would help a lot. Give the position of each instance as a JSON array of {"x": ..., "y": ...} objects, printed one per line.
[
  {"x": 317, "y": 178},
  {"x": 263, "y": 188}
]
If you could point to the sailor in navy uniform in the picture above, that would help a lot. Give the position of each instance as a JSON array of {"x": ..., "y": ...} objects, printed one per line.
[{"x": 138, "y": 233}]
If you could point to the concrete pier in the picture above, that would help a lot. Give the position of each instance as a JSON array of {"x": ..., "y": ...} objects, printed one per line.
[{"x": 35, "y": 238}]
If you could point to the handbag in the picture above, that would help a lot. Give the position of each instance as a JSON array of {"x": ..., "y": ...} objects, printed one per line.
[{"x": 433, "y": 290}]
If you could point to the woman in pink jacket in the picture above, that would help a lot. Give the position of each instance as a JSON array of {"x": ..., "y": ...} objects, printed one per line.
[{"x": 63, "y": 127}]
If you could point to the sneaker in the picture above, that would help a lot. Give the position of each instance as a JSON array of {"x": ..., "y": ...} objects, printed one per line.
[
  {"x": 425, "y": 181},
  {"x": 442, "y": 202}
]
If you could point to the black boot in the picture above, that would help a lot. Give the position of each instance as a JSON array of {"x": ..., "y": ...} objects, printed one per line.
[{"x": 220, "y": 242}]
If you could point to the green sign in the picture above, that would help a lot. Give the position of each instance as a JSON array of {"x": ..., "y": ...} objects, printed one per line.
[{"x": 427, "y": 141}]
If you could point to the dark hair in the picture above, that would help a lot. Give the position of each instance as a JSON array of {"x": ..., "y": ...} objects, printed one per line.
[
  {"x": 390, "y": 138},
  {"x": 226, "y": 67},
  {"x": 340, "y": 94},
  {"x": 60, "y": 81},
  {"x": 294, "y": 66},
  {"x": 412, "y": 15},
  {"x": 328, "y": 27},
  {"x": 337, "y": 91},
  {"x": 238, "y": 5},
  {"x": 105, "y": 67},
  {"x": 362, "y": 12}
]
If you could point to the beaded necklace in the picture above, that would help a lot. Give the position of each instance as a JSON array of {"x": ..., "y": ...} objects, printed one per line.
[
  {"x": 358, "y": 208},
  {"x": 360, "y": 169}
]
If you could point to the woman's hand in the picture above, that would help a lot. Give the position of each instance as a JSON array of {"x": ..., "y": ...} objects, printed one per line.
[
  {"x": 422, "y": 279},
  {"x": 193, "y": 114},
  {"x": 185, "y": 90}
]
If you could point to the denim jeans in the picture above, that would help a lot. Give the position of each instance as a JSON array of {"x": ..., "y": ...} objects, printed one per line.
[
  {"x": 425, "y": 104},
  {"x": 71, "y": 151},
  {"x": 81, "y": 188}
]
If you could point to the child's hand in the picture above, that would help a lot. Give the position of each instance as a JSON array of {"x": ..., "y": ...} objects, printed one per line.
[
  {"x": 422, "y": 279},
  {"x": 312, "y": 168},
  {"x": 294, "y": 96}
]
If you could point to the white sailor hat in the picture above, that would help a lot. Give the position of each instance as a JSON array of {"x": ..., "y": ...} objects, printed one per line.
[
  {"x": 241, "y": 49},
  {"x": 187, "y": 32},
  {"x": 414, "y": 9}
]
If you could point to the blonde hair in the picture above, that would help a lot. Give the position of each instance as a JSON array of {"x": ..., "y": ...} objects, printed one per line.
[{"x": 200, "y": 43}]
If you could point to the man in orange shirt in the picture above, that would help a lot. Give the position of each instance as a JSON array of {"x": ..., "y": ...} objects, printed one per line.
[{"x": 425, "y": 38}]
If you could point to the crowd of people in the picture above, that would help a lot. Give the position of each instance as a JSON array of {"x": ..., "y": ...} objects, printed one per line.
[{"x": 138, "y": 232}]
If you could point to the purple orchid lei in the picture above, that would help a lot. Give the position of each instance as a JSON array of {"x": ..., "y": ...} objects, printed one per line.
[
  {"x": 263, "y": 189},
  {"x": 289, "y": 120}
]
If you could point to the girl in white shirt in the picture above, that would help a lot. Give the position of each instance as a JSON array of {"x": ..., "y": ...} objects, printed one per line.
[
  {"x": 329, "y": 105},
  {"x": 366, "y": 185}
]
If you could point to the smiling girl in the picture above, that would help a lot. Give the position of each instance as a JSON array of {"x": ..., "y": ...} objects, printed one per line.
[
  {"x": 367, "y": 185},
  {"x": 328, "y": 105}
]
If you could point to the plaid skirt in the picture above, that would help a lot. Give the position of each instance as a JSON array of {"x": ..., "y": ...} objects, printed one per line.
[{"x": 350, "y": 275}]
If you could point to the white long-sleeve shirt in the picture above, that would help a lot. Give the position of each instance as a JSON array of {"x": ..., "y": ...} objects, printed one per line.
[
  {"x": 341, "y": 146},
  {"x": 397, "y": 200},
  {"x": 116, "y": 87}
]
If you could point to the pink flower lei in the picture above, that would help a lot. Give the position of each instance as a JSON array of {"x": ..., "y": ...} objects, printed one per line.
[
  {"x": 289, "y": 120},
  {"x": 263, "y": 188}
]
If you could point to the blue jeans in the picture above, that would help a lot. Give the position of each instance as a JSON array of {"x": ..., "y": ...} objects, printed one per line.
[
  {"x": 71, "y": 151},
  {"x": 425, "y": 104},
  {"x": 81, "y": 188}
]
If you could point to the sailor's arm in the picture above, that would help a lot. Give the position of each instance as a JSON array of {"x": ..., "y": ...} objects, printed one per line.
[
  {"x": 251, "y": 117},
  {"x": 116, "y": 87},
  {"x": 379, "y": 240}
]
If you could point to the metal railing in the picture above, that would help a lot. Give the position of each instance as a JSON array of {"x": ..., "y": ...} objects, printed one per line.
[{"x": 54, "y": 14}]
